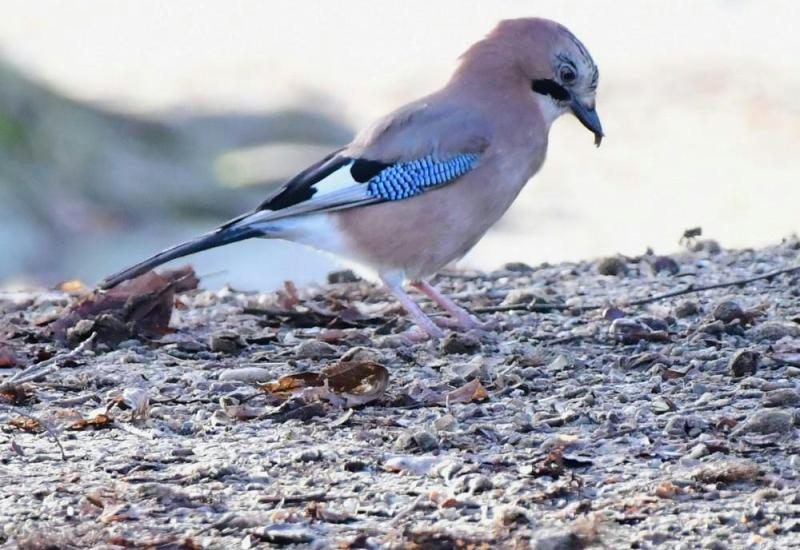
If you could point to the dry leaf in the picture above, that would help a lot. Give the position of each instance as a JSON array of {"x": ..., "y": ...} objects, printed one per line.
[
  {"x": 357, "y": 382},
  {"x": 135, "y": 399},
  {"x": 286, "y": 386},
  {"x": 25, "y": 423},
  {"x": 353, "y": 382},
  {"x": 97, "y": 422},
  {"x": 139, "y": 307},
  {"x": 471, "y": 391},
  {"x": 8, "y": 358},
  {"x": 15, "y": 394},
  {"x": 667, "y": 489}
]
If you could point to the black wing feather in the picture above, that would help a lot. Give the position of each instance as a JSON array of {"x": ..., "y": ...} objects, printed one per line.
[
  {"x": 364, "y": 170},
  {"x": 301, "y": 187}
]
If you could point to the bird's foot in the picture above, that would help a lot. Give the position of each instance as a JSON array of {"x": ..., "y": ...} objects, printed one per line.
[
  {"x": 462, "y": 323},
  {"x": 459, "y": 319},
  {"x": 425, "y": 323}
]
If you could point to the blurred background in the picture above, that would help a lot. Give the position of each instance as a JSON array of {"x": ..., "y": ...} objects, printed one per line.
[{"x": 126, "y": 126}]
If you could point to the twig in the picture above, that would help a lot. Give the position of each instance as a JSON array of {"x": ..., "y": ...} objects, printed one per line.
[
  {"x": 405, "y": 512},
  {"x": 276, "y": 499},
  {"x": 45, "y": 367},
  {"x": 42, "y": 423},
  {"x": 533, "y": 308},
  {"x": 545, "y": 308},
  {"x": 691, "y": 288}
]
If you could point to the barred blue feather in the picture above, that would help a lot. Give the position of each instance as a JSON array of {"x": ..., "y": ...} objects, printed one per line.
[{"x": 406, "y": 179}]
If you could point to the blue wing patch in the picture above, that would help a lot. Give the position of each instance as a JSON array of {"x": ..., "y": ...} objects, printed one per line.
[{"x": 406, "y": 179}]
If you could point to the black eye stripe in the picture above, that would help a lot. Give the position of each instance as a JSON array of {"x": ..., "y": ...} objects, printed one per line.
[{"x": 549, "y": 87}]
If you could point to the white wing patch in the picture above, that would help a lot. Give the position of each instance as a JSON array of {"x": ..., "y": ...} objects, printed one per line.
[{"x": 340, "y": 179}]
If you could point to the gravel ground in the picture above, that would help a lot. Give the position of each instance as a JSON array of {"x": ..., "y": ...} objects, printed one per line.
[{"x": 577, "y": 418}]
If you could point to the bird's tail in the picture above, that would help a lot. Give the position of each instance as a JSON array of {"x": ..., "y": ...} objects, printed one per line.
[{"x": 224, "y": 235}]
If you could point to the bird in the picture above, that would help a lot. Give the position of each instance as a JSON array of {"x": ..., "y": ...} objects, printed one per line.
[{"x": 420, "y": 187}]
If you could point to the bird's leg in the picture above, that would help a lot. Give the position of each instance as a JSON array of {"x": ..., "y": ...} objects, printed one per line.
[
  {"x": 413, "y": 309},
  {"x": 464, "y": 318}
]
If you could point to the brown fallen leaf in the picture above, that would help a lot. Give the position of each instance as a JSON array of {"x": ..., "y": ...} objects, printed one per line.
[
  {"x": 15, "y": 394},
  {"x": 666, "y": 489},
  {"x": 354, "y": 382},
  {"x": 469, "y": 392},
  {"x": 26, "y": 424},
  {"x": 97, "y": 422},
  {"x": 8, "y": 359},
  {"x": 139, "y": 307},
  {"x": 286, "y": 386}
]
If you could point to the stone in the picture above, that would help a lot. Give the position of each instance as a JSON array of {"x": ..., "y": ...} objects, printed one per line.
[
  {"x": 765, "y": 422},
  {"x": 460, "y": 343},
  {"x": 612, "y": 266},
  {"x": 314, "y": 349},
  {"x": 727, "y": 311},
  {"x": 773, "y": 330},
  {"x": 781, "y": 398},
  {"x": 686, "y": 308},
  {"x": 225, "y": 341},
  {"x": 744, "y": 363}
]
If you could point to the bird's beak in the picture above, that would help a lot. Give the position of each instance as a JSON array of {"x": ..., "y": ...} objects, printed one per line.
[{"x": 588, "y": 117}]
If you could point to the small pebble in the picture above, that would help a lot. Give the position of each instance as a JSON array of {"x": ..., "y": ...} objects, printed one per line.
[
  {"x": 425, "y": 440},
  {"x": 225, "y": 342},
  {"x": 744, "y": 363},
  {"x": 773, "y": 331},
  {"x": 460, "y": 343},
  {"x": 551, "y": 539},
  {"x": 661, "y": 264},
  {"x": 709, "y": 246},
  {"x": 727, "y": 311},
  {"x": 685, "y": 309},
  {"x": 612, "y": 266},
  {"x": 781, "y": 398},
  {"x": 247, "y": 374},
  {"x": 343, "y": 276},
  {"x": 362, "y": 355},
  {"x": 479, "y": 483},
  {"x": 518, "y": 267},
  {"x": 518, "y": 296},
  {"x": 314, "y": 349},
  {"x": 765, "y": 422}
]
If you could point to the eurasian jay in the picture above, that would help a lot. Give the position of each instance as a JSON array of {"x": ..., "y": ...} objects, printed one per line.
[{"x": 419, "y": 188}]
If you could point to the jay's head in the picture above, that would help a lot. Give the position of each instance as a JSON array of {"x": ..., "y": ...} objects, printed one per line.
[{"x": 545, "y": 59}]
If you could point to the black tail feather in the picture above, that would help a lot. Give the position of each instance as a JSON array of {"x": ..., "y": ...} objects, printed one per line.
[{"x": 219, "y": 237}]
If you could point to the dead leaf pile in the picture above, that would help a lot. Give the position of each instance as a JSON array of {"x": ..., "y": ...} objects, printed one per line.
[
  {"x": 296, "y": 312},
  {"x": 139, "y": 307}
]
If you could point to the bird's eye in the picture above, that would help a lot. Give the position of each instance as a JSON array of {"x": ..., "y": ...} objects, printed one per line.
[{"x": 567, "y": 75}]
